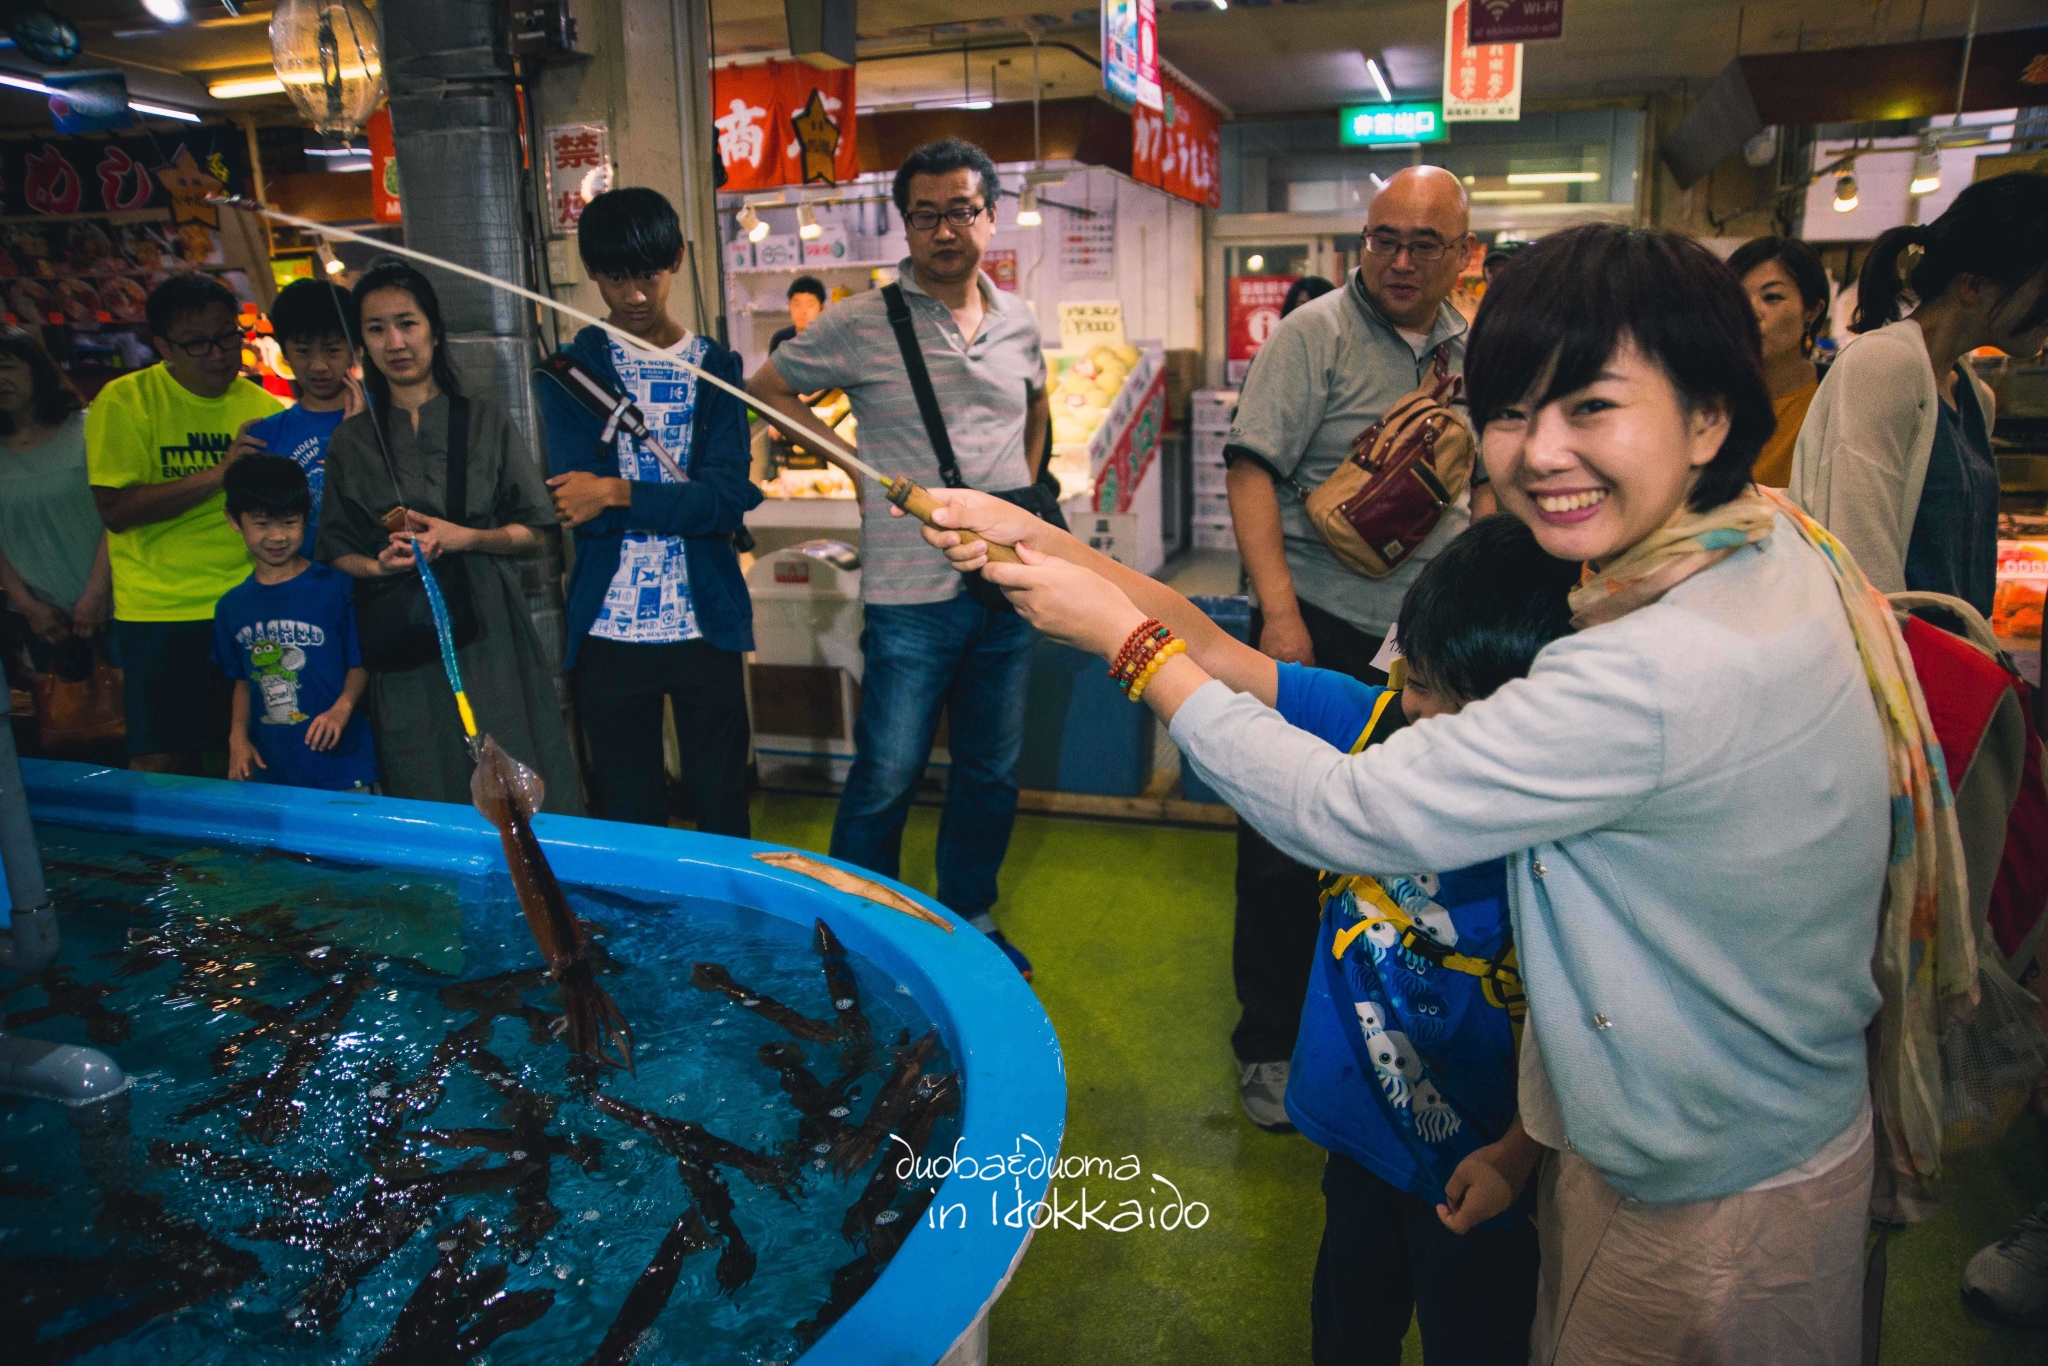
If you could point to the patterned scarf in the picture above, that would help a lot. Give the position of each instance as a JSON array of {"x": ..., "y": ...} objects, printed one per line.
[{"x": 1926, "y": 959}]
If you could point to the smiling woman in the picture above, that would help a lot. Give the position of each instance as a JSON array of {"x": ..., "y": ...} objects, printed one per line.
[{"x": 1694, "y": 794}]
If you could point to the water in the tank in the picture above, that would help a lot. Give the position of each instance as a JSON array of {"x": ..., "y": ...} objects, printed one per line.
[{"x": 352, "y": 1135}]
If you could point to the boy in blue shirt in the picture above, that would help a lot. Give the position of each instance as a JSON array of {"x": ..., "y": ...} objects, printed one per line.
[
  {"x": 286, "y": 638},
  {"x": 314, "y": 323}
]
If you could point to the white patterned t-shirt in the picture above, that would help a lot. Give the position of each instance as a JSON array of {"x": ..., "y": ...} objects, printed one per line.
[{"x": 648, "y": 601}]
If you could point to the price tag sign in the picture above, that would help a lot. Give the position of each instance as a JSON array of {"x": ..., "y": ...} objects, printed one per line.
[{"x": 1084, "y": 326}]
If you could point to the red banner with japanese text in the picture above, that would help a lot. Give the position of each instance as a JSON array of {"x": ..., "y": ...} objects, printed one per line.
[
  {"x": 1179, "y": 147},
  {"x": 784, "y": 123},
  {"x": 385, "y": 206}
]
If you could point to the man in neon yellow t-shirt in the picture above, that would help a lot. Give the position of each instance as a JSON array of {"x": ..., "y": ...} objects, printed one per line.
[{"x": 156, "y": 442}]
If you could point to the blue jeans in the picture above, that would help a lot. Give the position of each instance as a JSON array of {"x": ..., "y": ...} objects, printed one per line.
[{"x": 976, "y": 664}]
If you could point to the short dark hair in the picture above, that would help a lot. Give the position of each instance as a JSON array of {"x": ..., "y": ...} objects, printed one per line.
[
  {"x": 1302, "y": 290},
  {"x": 272, "y": 485},
  {"x": 1575, "y": 296},
  {"x": 631, "y": 231},
  {"x": 313, "y": 311},
  {"x": 181, "y": 294},
  {"x": 941, "y": 158},
  {"x": 392, "y": 273},
  {"x": 53, "y": 397},
  {"x": 1996, "y": 228},
  {"x": 1478, "y": 613},
  {"x": 808, "y": 284},
  {"x": 1800, "y": 261}
]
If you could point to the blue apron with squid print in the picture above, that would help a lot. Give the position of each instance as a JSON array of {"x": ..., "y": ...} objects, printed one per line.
[{"x": 1406, "y": 1060}]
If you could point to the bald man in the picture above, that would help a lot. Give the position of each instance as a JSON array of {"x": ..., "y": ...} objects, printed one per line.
[{"x": 1331, "y": 369}]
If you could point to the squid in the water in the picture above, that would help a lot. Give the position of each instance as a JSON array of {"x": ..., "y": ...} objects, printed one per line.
[{"x": 507, "y": 792}]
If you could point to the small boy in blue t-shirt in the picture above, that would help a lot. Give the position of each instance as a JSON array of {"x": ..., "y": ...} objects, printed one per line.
[
  {"x": 1405, "y": 1067},
  {"x": 314, "y": 323},
  {"x": 286, "y": 637}
]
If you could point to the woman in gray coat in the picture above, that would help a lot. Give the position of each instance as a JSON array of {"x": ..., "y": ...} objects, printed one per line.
[{"x": 396, "y": 454}]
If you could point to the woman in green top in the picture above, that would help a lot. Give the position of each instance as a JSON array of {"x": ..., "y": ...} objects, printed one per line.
[
  {"x": 403, "y": 439},
  {"x": 53, "y": 549}
]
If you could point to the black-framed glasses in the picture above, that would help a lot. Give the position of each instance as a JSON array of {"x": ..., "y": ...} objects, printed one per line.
[
  {"x": 925, "y": 220},
  {"x": 206, "y": 346},
  {"x": 1421, "y": 250}
]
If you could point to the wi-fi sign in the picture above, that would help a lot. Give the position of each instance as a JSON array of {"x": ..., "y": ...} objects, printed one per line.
[{"x": 1514, "y": 21}]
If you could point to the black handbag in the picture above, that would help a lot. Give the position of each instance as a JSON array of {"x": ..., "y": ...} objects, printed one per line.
[
  {"x": 394, "y": 621},
  {"x": 1040, "y": 498}
]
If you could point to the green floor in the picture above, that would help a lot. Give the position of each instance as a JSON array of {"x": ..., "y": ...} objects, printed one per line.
[{"x": 1129, "y": 927}]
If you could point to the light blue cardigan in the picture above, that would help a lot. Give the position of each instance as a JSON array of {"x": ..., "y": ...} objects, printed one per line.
[{"x": 1694, "y": 803}]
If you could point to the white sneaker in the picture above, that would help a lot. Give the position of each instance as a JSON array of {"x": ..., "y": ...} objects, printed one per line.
[
  {"x": 2008, "y": 1281},
  {"x": 1262, "y": 1087}
]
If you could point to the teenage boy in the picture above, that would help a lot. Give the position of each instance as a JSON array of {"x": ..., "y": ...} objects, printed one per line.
[
  {"x": 656, "y": 607},
  {"x": 1405, "y": 1063},
  {"x": 286, "y": 637},
  {"x": 314, "y": 323},
  {"x": 806, "y": 302},
  {"x": 929, "y": 647},
  {"x": 157, "y": 443}
]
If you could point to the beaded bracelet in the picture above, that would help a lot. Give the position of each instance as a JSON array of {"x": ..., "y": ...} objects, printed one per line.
[
  {"x": 1149, "y": 633},
  {"x": 1173, "y": 647},
  {"x": 1137, "y": 649}
]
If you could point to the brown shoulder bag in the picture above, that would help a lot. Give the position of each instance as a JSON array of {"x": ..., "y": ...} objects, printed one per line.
[{"x": 1403, "y": 473}]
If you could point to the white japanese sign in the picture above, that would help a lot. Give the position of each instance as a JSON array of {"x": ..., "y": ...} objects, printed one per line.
[
  {"x": 579, "y": 170},
  {"x": 1481, "y": 84}
]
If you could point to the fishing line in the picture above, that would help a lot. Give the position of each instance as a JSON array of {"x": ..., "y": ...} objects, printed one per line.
[{"x": 637, "y": 343}]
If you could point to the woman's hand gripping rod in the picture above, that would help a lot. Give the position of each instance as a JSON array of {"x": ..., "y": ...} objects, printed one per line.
[{"x": 904, "y": 492}]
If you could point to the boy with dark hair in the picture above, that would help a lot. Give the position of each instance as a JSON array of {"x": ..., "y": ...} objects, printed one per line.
[
  {"x": 290, "y": 630},
  {"x": 157, "y": 442},
  {"x": 314, "y": 323},
  {"x": 657, "y": 609},
  {"x": 807, "y": 299}
]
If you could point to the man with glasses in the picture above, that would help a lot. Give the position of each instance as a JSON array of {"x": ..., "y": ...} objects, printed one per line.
[
  {"x": 1331, "y": 369},
  {"x": 156, "y": 444},
  {"x": 930, "y": 647}
]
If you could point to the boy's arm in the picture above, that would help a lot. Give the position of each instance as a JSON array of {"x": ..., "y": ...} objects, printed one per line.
[
  {"x": 241, "y": 750},
  {"x": 1221, "y": 655},
  {"x": 323, "y": 732},
  {"x": 1489, "y": 1181}
]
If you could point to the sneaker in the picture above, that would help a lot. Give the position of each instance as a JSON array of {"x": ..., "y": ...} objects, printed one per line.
[
  {"x": 1262, "y": 1087},
  {"x": 2008, "y": 1281},
  {"x": 1011, "y": 952}
]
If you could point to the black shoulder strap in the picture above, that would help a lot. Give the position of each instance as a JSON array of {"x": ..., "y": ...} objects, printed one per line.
[
  {"x": 457, "y": 498},
  {"x": 921, "y": 385}
]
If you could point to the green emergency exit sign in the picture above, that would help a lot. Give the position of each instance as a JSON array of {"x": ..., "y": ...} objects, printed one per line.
[{"x": 1373, "y": 125}]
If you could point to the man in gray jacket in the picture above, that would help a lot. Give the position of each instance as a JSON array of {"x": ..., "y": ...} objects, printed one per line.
[{"x": 1330, "y": 370}]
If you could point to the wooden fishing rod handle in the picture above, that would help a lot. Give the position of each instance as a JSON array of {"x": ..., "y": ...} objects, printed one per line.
[{"x": 914, "y": 500}]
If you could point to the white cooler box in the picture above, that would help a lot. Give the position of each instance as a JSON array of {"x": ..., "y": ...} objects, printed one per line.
[{"x": 803, "y": 679}]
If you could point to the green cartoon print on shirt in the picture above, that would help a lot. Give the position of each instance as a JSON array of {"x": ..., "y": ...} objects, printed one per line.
[{"x": 275, "y": 669}]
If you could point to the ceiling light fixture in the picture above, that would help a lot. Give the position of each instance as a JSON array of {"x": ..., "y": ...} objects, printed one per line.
[
  {"x": 807, "y": 223},
  {"x": 1372, "y": 68},
  {"x": 326, "y": 54},
  {"x": 1521, "y": 195},
  {"x": 1222, "y": 4},
  {"x": 1255, "y": 263},
  {"x": 329, "y": 262},
  {"x": 1552, "y": 177},
  {"x": 244, "y": 87},
  {"x": 166, "y": 11},
  {"x": 164, "y": 111},
  {"x": 1926, "y": 171},
  {"x": 1028, "y": 215},
  {"x": 1845, "y": 193},
  {"x": 748, "y": 221}
]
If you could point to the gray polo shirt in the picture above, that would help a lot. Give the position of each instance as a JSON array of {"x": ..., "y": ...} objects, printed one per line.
[
  {"x": 984, "y": 391},
  {"x": 1330, "y": 370}
]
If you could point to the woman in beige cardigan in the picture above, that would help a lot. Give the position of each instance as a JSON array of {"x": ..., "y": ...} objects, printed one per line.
[{"x": 1894, "y": 457}]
